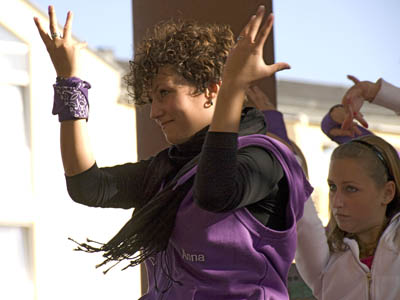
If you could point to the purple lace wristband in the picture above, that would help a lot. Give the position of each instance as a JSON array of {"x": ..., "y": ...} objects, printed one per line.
[
  {"x": 327, "y": 124},
  {"x": 71, "y": 99},
  {"x": 275, "y": 124}
]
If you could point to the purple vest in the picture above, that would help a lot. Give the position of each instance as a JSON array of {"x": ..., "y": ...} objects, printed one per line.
[{"x": 218, "y": 256}]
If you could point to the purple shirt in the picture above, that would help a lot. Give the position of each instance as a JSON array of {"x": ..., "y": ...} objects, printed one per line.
[
  {"x": 217, "y": 256},
  {"x": 275, "y": 124}
]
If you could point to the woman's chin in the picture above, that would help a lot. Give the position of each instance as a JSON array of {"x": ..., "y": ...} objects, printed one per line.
[
  {"x": 346, "y": 228},
  {"x": 172, "y": 140},
  {"x": 175, "y": 139}
]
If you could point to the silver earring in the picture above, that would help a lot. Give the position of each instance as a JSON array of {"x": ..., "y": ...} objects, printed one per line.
[{"x": 208, "y": 104}]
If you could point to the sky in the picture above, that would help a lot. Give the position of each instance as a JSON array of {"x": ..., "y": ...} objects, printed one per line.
[{"x": 322, "y": 40}]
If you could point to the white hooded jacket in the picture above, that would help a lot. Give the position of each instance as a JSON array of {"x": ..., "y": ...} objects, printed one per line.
[{"x": 341, "y": 275}]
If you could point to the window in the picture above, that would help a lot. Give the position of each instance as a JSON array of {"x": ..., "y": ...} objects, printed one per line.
[
  {"x": 16, "y": 270},
  {"x": 15, "y": 156}
]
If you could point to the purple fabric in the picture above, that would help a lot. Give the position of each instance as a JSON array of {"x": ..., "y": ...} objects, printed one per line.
[
  {"x": 71, "y": 99},
  {"x": 328, "y": 124},
  {"x": 275, "y": 124},
  {"x": 217, "y": 256}
]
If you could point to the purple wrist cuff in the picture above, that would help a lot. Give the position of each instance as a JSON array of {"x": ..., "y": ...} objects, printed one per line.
[
  {"x": 275, "y": 124},
  {"x": 327, "y": 124},
  {"x": 71, "y": 99}
]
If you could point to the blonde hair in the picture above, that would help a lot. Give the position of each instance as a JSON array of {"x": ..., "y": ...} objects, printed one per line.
[{"x": 371, "y": 156}]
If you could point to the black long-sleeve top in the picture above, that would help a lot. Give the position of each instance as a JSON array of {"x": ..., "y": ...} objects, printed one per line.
[{"x": 227, "y": 178}]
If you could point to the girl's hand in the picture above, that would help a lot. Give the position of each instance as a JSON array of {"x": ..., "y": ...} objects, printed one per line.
[
  {"x": 354, "y": 99},
  {"x": 245, "y": 63},
  {"x": 63, "y": 50},
  {"x": 338, "y": 114}
]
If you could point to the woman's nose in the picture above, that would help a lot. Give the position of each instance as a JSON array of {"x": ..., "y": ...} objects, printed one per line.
[
  {"x": 155, "y": 110},
  {"x": 337, "y": 200}
]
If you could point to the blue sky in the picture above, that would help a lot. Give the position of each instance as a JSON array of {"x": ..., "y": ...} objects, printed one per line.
[{"x": 323, "y": 40}]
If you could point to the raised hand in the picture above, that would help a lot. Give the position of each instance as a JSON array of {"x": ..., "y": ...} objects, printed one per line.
[
  {"x": 63, "y": 50},
  {"x": 260, "y": 100},
  {"x": 245, "y": 63},
  {"x": 354, "y": 99},
  {"x": 338, "y": 114}
]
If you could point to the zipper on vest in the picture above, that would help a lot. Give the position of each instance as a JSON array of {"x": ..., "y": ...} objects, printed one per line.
[{"x": 369, "y": 279}]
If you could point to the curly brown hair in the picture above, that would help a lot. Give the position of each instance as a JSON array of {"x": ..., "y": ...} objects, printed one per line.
[
  {"x": 197, "y": 52},
  {"x": 379, "y": 172}
]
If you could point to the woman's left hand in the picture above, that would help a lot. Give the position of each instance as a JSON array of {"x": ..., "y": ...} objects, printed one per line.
[
  {"x": 245, "y": 63},
  {"x": 354, "y": 99}
]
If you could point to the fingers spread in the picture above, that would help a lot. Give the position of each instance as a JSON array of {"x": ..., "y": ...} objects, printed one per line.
[
  {"x": 53, "y": 20},
  {"x": 348, "y": 120},
  {"x": 254, "y": 24},
  {"x": 347, "y": 123},
  {"x": 246, "y": 29},
  {"x": 68, "y": 26},
  {"x": 45, "y": 38},
  {"x": 279, "y": 67},
  {"x": 252, "y": 27},
  {"x": 264, "y": 32},
  {"x": 353, "y": 78},
  {"x": 360, "y": 118}
]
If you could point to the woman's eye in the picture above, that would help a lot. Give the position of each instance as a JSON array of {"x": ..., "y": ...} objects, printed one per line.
[
  {"x": 150, "y": 100},
  {"x": 332, "y": 187},
  {"x": 351, "y": 189},
  {"x": 164, "y": 93}
]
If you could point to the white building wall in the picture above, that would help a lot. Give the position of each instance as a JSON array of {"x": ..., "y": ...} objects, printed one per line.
[{"x": 47, "y": 211}]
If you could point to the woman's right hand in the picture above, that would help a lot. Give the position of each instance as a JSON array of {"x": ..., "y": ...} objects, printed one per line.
[
  {"x": 245, "y": 63},
  {"x": 63, "y": 50}
]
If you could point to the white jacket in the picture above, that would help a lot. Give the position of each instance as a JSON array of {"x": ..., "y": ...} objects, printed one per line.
[
  {"x": 334, "y": 276},
  {"x": 388, "y": 96}
]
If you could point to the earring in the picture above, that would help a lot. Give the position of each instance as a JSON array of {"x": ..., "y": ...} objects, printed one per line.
[{"x": 208, "y": 104}]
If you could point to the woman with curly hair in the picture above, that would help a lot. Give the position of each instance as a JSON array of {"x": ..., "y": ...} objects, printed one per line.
[{"x": 215, "y": 213}]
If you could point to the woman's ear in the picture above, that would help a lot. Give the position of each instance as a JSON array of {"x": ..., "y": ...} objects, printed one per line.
[
  {"x": 389, "y": 192},
  {"x": 212, "y": 90}
]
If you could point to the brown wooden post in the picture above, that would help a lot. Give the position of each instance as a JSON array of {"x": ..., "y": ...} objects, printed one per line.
[{"x": 146, "y": 13}]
